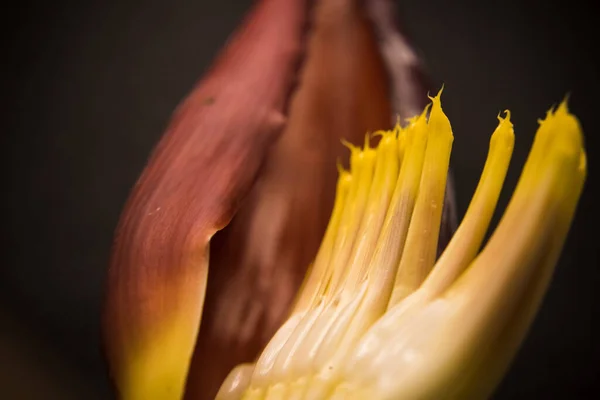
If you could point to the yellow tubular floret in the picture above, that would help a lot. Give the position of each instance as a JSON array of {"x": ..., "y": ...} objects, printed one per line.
[
  {"x": 421, "y": 243},
  {"x": 377, "y": 317},
  {"x": 497, "y": 359},
  {"x": 467, "y": 239},
  {"x": 351, "y": 324},
  {"x": 391, "y": 241},
  {"x": 317, "y": 272},
  {"x": 364, "y": 176}
]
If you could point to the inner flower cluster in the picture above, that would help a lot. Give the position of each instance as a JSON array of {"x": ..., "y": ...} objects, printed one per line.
[{"x": 378, "y": 316}]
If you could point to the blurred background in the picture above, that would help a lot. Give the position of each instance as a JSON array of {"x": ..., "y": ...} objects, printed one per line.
[{"x": 88, "y": 88}]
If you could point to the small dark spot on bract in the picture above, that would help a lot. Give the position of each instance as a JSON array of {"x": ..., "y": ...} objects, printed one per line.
[{"x": 209, "y": 100}]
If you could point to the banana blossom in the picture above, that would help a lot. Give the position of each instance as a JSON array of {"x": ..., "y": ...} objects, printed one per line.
[{"x": 247, "y": 168}]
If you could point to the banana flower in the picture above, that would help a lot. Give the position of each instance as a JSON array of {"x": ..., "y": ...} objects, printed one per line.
[{"x": 247, "y": 169}]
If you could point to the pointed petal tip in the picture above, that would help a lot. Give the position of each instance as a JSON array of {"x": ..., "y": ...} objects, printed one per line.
[{"x": 564, "y": 104}]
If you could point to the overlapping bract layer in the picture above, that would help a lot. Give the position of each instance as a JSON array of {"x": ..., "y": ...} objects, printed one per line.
[{"x": 375, "y": 318}]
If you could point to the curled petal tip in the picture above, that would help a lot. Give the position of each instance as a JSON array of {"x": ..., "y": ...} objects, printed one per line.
[
  {"x": 354, "y": 150},
  {"x": 506, "y": 116},
  {"x": 379, "y": 133},
  {"x": 438, "y": 96}
]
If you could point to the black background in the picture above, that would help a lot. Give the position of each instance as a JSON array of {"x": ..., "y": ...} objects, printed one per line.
[{"x": 88, "y": 87}]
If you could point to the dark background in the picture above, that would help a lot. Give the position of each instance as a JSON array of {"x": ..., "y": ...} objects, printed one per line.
[{"x": 88, "y": 87}]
